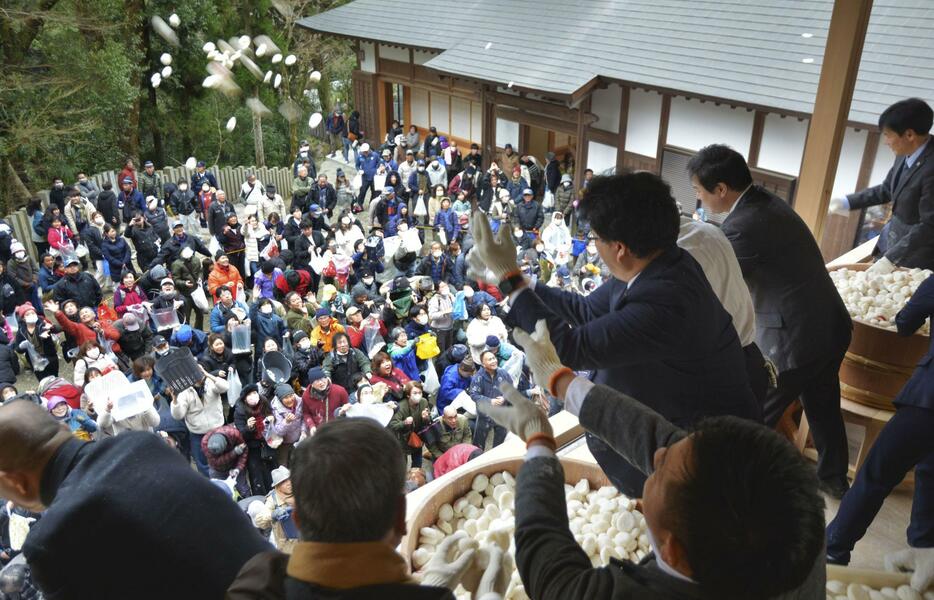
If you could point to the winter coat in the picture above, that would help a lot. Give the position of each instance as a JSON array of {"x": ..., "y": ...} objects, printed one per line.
[
  {"x": 186, "y": 270},
  {"x": 439, "y": 269},
  {"x": 229, "y": 277},
  {"x": 130, "y": 203},
  {"x": 150, "y": 185},
  {"x": 159, "y": 221},
  {"x": 84, "y": 290},
  {"x": 395, "y": 382},
  {"x": 229, "y": 459},
  {"x": 60, "y": 239},
  {"x": 346, "y": 370},
  {"x": 24, "y": 273},
  {"x": 448, "y": 438},
  {"x": 266, "y": 327},
  {"x": 172, "y": 248},
  {"x": 89, "y": 190},
  {"x": 217, "y": 216},
  {"x": 440, "y": 310},
  {"x": 145, "y": 241},
  {"x": 117, "y": 254},
  {"x": 368, "y": 164},
  {"x": 125, "y": 297},
  {"x": 447, "y": 220},
  {"x": 220, "y": 314},
  {"x": 266, "y": 206},
  {"x": 290, "y": 432},
  {"x": 198, "y": 179},
  {"x": 202, "y": 410},
  {"x": 145, "y": 421},
  {"x": 93, "y": 238},
  {"x": 321, "y": 407},
  {"x": 135, "y": 343},
  {"x": 78, "y": 215},
  {"x": 80, "y": 333},
  {"x": 529, "y": 215},
  {"x": 405, "y": 410},
  {"x": 108, "y": 207},
  {"x": 564, "y": 199},
  {"x": 182, "y": 203},
  {"x": 452, "y": 384},
  {"x": 9, "y": 365}
]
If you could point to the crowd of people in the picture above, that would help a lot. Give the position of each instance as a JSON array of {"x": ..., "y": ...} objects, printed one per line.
[{"x": 449, "y": 304}]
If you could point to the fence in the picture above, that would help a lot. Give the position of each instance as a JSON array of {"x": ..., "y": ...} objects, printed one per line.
[{"x": 229, "y": 179}]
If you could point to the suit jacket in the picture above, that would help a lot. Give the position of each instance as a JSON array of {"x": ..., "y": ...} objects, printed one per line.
[
  {"x": 666, "y": 340},
  {"x": 919, "y": 390},
  {"x": 908, "y": 238},
  {"x": 800, "y": 317},
  {"x": 112, "y": 502}
]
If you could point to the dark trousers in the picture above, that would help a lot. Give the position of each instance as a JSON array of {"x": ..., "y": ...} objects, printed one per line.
[
  {"x": 201, "y": 461},
  {"x": 758, "y": 374},
  {"x": 818, "y": 386},
  {"x": 182, "y": 443},
  {"x": 482, "y": 429},
  {"x": 625, "y": 478},
  {"x": 906, "y": 441},
  {"x": 259, "y": 471},
  {"x": 367, "y": 184},
  {"x": 445, "y": 338},
  {"x": 416, "y": 454}
]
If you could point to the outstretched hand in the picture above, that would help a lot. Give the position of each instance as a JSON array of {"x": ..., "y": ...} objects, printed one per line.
[
  {"x": 493, "y": 256},
  {"x": 524, "y": 418},
  {"x": 539, "y": 351}
]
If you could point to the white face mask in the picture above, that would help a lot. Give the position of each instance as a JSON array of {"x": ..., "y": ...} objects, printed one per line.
[
  {"x": 591, "y": 249},
  {"x": 367, "y": 280},
  {"x": 187, "y": 253},
  {"x": 252, "y": 399},
  {"x": 20, "y": 255},
  {"x": 205, "y": 188},
  {"x": 266, "y": 309},
  {"x": 517, "y": 233},
  {"x": 93, "y": 353},
  {"x": 183, "y": 188},
  {"x": 436, "y": 253},
  {"x": 539, "y": 249},
  {"x": 305, "y": 344},
  {"x": 423, "y": 319},
  {"x": 99, "y": 220},
  {"x": 31, "y": 319},
  {"x": 415, "y": 397}
]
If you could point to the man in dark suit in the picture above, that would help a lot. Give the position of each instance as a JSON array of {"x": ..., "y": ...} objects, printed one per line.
[
  {"x": 904, "y": 443},
  {"x": 907, "y": 240},
  {"x": 110, "y": 503},
  {"x": 802, "y": 325},
  {"x": 655, "y": 330}
]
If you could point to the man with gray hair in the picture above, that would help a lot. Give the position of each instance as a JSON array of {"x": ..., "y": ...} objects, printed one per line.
[
  {"x": 348, "y": 481},
  {"x": 218, "y": 212}
]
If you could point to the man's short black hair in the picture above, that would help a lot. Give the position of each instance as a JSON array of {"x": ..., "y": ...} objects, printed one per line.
[
  {"x": 636, "y": 209},
  {"x": 719, "y": 163},
  {"x": 913, "y": 113},
  {"x": 347, "y": 480},
  {"x": 747, "y": 511}
]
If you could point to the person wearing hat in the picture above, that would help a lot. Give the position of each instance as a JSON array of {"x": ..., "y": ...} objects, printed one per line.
[
  {"x": 367, "y": 164},
  {"x": 76, "y": 420},
  {"x": 224, "y": 274},
  {"x": 565, "y": 196},
  {"x": 77, "y": 285},
  {"x": 322, "y": 400},
  {"x": 528, "y": 213},
  {"x": 168, "y": 297},
  {"x": 187, "y": 272},
  {"x": 202, "y": 176},
  {"x": 146, "y": 240},
  {"x": 77, "y": 211},
  {"x": 304, "y": 357},
  {"x": 270, "y": 202},
  {"x": 135, "y": 337},
  {"x": 286, "y": 421},
  {"x": 150, "y": 182},
  {"x": 301, "y": 189},
  {"x": 130, "y": 199},
  {"x": 323, "y": 333},
  {"x": 179, "y": 240},
  {"x": 276, "y": 512},
  {"x": 445, "y": 222},
  {"x": 305, "y": 158},
  {"x": 336, "y": 128},
  {"x": 552, "y": 173},
  {"x": 437, "y": 175},
  {"x": 455, "y": 380},
  {"x": 187, "y": 337},
  {"x": 227, "y": 455},
  {"x": 157, "y": 218}
]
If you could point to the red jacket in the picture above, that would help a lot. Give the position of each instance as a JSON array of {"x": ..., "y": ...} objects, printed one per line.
[
  {"x": 127, "y": 172},
  {"x": 70, "y": 392},
  {"x": 398, "y": 381},
  {"x": 81, "y": 333},
  {"x": 57, "y": 238},
  {"x": 453, "y": 458},
  {"x": 316, "y": 411},
  {"x": 357, "y": 337},
  {"x": 229, "y": 459},
  {"x": 491, "y": 290},
  {"x": 304, "y": 281},
  {"x": 127, "y": 298}
]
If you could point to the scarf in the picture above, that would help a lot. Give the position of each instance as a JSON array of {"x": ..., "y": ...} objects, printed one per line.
[{"x": 337, "y": 566}]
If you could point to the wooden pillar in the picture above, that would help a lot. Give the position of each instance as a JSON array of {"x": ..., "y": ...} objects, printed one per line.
[
  {"x": 487, "y": 129},
  {"x": 755, "y": 141},
  {"x": 580, "y": 159},
  {"x": 845, "y": 38},
  {"x": 662, "y": 132},
  {"x": 623, "y": 124},
  {"x": 523, "y": 139}
]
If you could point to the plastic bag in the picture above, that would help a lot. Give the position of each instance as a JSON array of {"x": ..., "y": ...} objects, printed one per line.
[
  {"x": 427, "y": 346},
  {"x": 234, "y": 386},
  {"x": 421, "y": 207},
  {"x": 200, "y": 299},
  {"x": 357, "y": 182},
  {"x": 371, "y": 334},
  {"x": 548, "y": 201},
  {"x": 432, "y": 384},
  {"x": 241, "y": 295},
  {"x": 214, "y": 246}
]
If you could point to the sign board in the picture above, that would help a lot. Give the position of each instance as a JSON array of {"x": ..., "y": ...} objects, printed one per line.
[
  {"x": 381, "y": 413},
  {"x": 101, "y": 390},
  {"x": 131, "y": 400}
]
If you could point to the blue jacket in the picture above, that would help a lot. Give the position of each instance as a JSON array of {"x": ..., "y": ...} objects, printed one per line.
[
  {"x": 128, "y": 204},
  {"x": 198, "y": 179},
  {"x": 368, "y": 164},
  {"x": 919, "y": 390},
  {"x": 447, "y": 220},
  {"x": 266, "y": 327},
  {"x": 218, "y": 319},
  {"x": 47, "y": 279},
  {"x": 405, "y": 359},
  {"x": 452, "y": 384},
  {"x": 665, "y": 340},
  {"x": 338, "y": 125},
  {"x": 516, "y": 188},
  {"x": 117, "y": 255},
  {"x": 484, "y": 386},
  {"x": 198, "y": 343}
]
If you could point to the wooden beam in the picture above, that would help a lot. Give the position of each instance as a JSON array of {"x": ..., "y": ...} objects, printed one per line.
[
  {"x": 523, "y": 139},
  {"x": 869, "y": 159},
  {"x": 662, "y": 132},
  {"x": 848, "y": 24},
  {"x": 547, "y": 109},
  {"x": 411, "y": 63},
  {"x": 755, "y": 142},
  {"x": 623, "y": 124},
  {"x": 521, "y": 116},
  {"x": 580, "y": 161}
]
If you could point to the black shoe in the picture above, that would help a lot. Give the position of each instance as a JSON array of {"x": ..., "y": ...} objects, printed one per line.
[{"x": 835, "y": 488}]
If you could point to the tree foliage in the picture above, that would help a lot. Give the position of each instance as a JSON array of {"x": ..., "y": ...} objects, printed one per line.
[{"x": 75, "y": 91}]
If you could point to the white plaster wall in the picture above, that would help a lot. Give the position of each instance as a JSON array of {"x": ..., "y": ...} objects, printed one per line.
[
  {"x": 851, "y": 155},
  {"x": 507, "y": 132},
  {"x": 460, "y": 118},
  {"x": 441, "y": 112},
  {"x": 368, "y": 62},
  {"x": 421, "y": 56},
  {"x": 394, "y": 53},
  {"x": 476, "y": 121},
  {"x": 600, "y": 157},
  {"x": 695, "y": 124},
  {"x": 885, "y": 159},
  {"x": 420, "y": 108},
  {"x": 782, "y": 144},
  {"x": 605, "y": 105},
  {"x": 645, "y": 109}
]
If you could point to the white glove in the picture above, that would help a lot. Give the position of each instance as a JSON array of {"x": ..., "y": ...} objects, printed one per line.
[
  {"x": 495, "y": 580},
  {"x": 539, "y": 352},
  {"x": 839, "y": 206},
  {"x": 493, "y": 256},
  {"x": 919, "y": 560},
  {"x": 524, "y": 418},
  {"x": 233, "y": 473},
  {"x": 883, "y": 266},
  {"x": 443, "y": 570}
]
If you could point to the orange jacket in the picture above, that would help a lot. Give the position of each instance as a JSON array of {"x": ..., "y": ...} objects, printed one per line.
[{"x": 219, "y": 277}]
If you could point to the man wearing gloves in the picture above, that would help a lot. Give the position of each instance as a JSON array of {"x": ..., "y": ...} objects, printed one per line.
[
  {"x": 732, "y": 509},
  {"x": 349, "y": 532},
  {"x": 655, "y": 330},
  {"x": 907, "y": 240}
]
